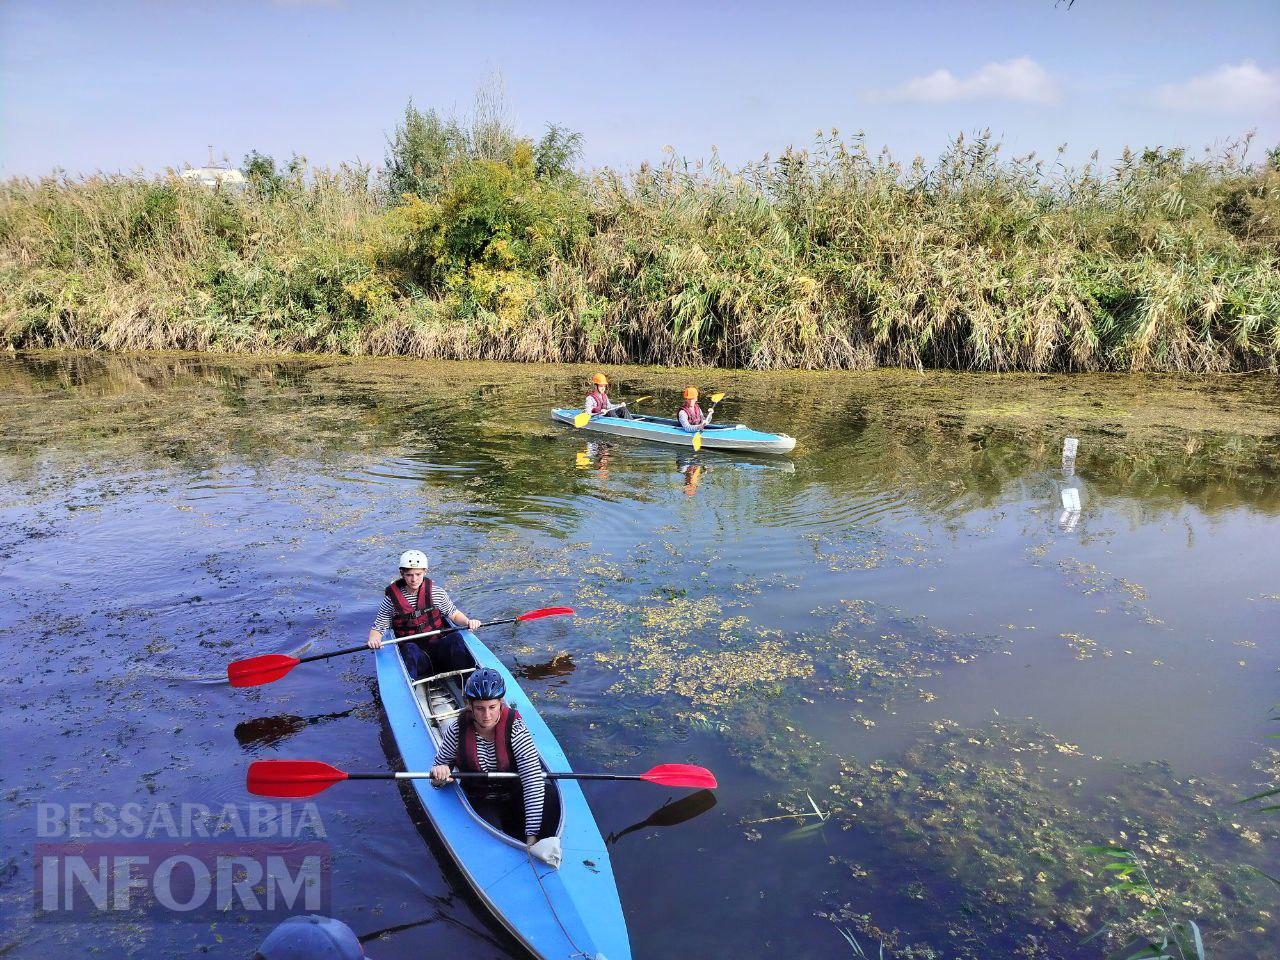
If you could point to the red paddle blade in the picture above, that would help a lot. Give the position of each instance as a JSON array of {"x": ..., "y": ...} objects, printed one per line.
[
  {"x": 259, "y": 670},
  {"x": 291, "y": 779},
  {"x": 681, "y": 775},
  {"x": 545, "y": 612}
]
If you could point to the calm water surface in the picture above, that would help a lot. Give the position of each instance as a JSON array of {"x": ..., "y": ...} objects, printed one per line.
[{"x": 897, "y": 625}]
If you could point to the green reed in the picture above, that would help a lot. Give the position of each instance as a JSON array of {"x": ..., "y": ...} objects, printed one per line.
[{"x": 831, "y": 257}]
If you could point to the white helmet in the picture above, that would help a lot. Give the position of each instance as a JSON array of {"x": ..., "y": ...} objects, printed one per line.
[{"x": 413, "y": 560}]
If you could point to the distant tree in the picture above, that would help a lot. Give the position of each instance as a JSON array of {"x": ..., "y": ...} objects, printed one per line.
[
  {"x": 556, "y": 153},
  {"x": 420, "y": 152},
  {"x": 260, "y": 170}
]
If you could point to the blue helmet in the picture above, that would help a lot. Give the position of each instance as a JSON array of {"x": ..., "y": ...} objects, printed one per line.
[
  {"x": 310, "y": 938},
  {"x": 485, "y": 684}
]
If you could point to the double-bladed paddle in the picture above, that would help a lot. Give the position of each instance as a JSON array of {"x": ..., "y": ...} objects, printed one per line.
[
  {"x": 295, "y": 779},
  {"x": 270, "y": 667},
  {"x": 581, "y": 419},
  {"x": 697, "y": 437}
]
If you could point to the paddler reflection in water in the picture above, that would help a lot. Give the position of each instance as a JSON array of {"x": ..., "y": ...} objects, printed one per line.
[
  {"x": 693, "y": 471},
  {"x": 490, "y": 737},
  {"x": 596, "y": 454},
  {"x": 413, "y": 604}
]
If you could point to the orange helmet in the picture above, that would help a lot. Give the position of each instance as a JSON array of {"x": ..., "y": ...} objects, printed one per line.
[
  {"x": 691, "y": 393},
  {"x": 600, "y": 380}
]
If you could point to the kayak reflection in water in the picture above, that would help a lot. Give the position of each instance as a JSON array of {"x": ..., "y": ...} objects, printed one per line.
[
  {"x": 598, "y": 403},
  {"x": 413, "y": 604},
  {"x": 490, "y": 737},
  {"x": 690, "y": 415}
]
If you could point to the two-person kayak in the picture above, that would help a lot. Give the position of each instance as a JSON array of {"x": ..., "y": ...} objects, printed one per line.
[
  {"x": 557, "y": 913},
  {"x": 730, "y": 438}
]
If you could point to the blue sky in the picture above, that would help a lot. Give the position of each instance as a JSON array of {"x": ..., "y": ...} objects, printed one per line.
[{"x": 125, "y": 85}]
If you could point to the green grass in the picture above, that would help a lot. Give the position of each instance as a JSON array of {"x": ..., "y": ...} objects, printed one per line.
[{"x": 831, "y": 257}]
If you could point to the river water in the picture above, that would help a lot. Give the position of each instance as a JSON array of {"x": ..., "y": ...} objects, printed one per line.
[{"x": 898, "y": 626}]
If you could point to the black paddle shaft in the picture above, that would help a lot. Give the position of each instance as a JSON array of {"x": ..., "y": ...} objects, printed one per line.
[
  {"x": 364, "y": 646},
  {"x": 458, "y": 774},
  {"x": 548, "y": 776}
]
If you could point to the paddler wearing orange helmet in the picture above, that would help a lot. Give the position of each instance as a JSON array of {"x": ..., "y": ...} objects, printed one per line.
[
  {"x": 690, "y": 416},
  {"x": 598, "y": 403}
]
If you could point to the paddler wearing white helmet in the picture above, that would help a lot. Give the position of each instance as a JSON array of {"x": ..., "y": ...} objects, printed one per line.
[{"x": 413, "y": 604}]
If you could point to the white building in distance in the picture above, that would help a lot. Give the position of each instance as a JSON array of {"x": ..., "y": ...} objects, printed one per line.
[{"x": 215, "y": 177}]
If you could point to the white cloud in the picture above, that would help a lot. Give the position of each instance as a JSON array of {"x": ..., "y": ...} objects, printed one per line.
[
  {"x": 1021, "y": 80},
  {"x": 1230, "y": 88}
]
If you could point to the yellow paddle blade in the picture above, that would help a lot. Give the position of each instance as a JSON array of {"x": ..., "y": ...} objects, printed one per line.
[
  {"x": 640, "y": 399},
  {"x": 581, "y": 419},
  {"x": 717, "y": 397},
  {"x": 583, "y": 460},
  {"x": 697, "y": 441}
]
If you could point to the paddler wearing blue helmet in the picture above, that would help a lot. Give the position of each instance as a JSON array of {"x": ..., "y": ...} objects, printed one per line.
[
  {"x": 490, "y": 737},
  {"x": 412, "y": 605},
  {"x": 310, "y": 938}
]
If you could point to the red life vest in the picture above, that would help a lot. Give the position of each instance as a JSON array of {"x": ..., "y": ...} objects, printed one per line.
[
  {"x": 597, "y": 402},
  {"x": 468, "y": 758},
  {"x": 694, "y": 416},
  {"x": 420, "y": 617}
]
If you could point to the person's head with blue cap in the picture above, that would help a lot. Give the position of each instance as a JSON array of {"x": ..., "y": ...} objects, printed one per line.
[{"x": 310, "y": 938}]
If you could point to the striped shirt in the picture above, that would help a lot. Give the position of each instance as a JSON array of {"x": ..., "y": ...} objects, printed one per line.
[
  {"x": 528, "y": 764},
  {"x": 438, "y": 596}
]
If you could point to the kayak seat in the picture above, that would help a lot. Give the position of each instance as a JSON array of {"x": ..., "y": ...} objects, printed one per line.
[{"x": 441, "y": 677}]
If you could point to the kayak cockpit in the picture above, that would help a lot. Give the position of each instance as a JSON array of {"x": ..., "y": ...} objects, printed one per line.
[
  {"x": 440, "y": 700},
  {"x": 673, "y": 422}
]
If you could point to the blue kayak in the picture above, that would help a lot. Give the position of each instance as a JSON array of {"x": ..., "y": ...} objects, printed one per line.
[
  {"x": 737, "y": 438},
  {"x": 569, "y": 912}
]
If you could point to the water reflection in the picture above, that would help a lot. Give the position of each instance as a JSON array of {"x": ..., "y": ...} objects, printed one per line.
[
  {"x": 670, "y": 814},
  {"x": 693, "y": 471},
  {"x": 561, "y": 665},
  {"x": 274, "y": 730}
]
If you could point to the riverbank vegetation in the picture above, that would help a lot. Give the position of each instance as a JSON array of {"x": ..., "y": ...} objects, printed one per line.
[{"x": 476, "y": 242}]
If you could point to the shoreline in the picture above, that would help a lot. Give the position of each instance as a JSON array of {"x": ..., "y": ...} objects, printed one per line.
[{"x": 1261, "y": 374}]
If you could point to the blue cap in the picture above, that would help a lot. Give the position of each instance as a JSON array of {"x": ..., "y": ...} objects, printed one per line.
[{"x": 311, "y": 938}]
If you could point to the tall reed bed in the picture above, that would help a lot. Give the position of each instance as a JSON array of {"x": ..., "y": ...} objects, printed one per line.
[{"x": 831, "y": 257}]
